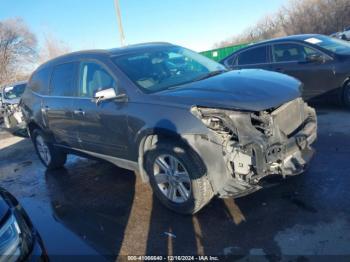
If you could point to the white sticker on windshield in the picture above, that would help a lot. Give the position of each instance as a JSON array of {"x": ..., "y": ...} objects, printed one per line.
[{"x": 313, "y": 40}]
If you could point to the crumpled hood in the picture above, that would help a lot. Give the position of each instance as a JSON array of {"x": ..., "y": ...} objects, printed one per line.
[
  {"x": 13, "y": 101},
  {"x": 249, "y": 89}
]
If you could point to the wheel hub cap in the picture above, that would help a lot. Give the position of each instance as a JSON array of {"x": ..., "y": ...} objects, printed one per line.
[{"x": 43, "y": 150}]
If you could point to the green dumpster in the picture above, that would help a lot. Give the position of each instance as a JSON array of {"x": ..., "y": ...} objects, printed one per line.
[{"x": 220, "y": 53}]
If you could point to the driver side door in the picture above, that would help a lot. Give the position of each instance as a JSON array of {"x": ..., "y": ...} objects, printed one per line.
[{"x": 103, "y": 126}]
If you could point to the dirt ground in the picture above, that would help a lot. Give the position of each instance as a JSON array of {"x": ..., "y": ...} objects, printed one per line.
[{"x": 95, "y": 208}]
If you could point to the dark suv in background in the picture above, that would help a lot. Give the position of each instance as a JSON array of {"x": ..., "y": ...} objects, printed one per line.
[
  {"x": 185, "y": 124},
  {"x": 320, "y": 62}
]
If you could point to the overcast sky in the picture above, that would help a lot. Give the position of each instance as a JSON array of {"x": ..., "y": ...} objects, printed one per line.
[{"x": 86, "y": 24}]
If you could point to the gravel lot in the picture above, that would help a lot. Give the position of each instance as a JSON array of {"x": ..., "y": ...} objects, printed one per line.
[{"x": 95, "y": 208}]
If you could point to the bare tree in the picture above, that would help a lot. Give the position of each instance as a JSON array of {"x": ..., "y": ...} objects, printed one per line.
[
  {"x": 52, "y": 48},
  {"x": 17, "y": 49},
  {"x": 297, "y": 17}
]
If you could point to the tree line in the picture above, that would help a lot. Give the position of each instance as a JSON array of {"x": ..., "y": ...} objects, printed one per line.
[
  {"x": 20, "y": 53},
  {"x": 297, "y": 17}
]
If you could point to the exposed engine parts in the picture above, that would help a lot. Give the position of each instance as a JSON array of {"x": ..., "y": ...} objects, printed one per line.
[
  {"x": 13, "y": 119},
  {"x": 258, "y": 144}
]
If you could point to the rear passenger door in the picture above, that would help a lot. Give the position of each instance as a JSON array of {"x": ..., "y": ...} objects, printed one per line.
[
  {"x": 254, "y": 57},
  {"x": 57, "y": 106},
  {"x": 103, "y": 127}
]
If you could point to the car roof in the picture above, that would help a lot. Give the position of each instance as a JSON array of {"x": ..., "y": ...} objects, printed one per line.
[
  {"x": 15, "y": 83},
  {"x": 105, "y": 52},
  {"x": 297, "y": 38},
  {"x": 300, "y": 37}
]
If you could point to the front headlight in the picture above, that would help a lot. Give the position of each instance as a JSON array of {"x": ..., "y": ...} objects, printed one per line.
[
  {"x": 215, "y": 119},
  {"x": 10, "y": 240}
]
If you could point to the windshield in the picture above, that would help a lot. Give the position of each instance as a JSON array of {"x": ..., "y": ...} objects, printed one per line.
[
  {"x": 332, "y": 44},
  {"x": 12, "y": 92},
  {"x": 159, "y": 69}
]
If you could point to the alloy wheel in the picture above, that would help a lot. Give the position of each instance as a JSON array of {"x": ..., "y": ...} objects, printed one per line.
[
  {"x": 43, "y": 149},
  {"x": 172, "y": 178}
]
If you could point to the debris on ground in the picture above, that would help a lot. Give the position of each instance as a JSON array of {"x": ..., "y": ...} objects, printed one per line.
[{"x": 170, "y": 234}]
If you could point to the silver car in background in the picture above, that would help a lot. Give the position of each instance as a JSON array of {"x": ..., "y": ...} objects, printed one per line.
[{"x": 10, "y": 109}]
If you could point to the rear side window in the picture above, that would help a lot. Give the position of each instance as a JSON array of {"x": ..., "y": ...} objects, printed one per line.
[
  {"x": 39, "y": 82},
  {"x": 63, "y": 80},
  {"x": 252, "y": 56},
  {"x": 291, "y": 52}
]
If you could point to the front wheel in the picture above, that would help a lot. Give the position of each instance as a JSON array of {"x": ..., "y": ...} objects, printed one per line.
[
  {"x": 50, "y": 156},
  {"x": 178, "y": 178}
]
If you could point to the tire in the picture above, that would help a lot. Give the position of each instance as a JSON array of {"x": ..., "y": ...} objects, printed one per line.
[
  {"x": 346, "y": 95},
  {"x": 199, "y": 191},
  {"x": 55, "y": 158}
]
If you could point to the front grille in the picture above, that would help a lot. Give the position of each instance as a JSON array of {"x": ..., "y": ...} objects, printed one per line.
[{"x": 289, "y": 116}]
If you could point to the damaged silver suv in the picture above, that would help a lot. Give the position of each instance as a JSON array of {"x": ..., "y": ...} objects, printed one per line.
[
  {"x": 11, "y": 112},
  {"x": 181, "y": 121}
]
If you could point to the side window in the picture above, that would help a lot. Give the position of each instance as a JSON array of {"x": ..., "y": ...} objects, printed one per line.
[
  {"x": 93, "y": 77},
  {"x": 39, "y": 81},
  {"x": 311, "y": 51},
  {"x": 252, "y": 56},
  {"x": 63, "y": 80},
  {"x": 289, "y": 52}
]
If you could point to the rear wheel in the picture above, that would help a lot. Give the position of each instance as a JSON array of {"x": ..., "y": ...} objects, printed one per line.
[
  {"x": 346, "y": 95},
  {"x": 49, "y": 155},
  {"x": 177, "y": 178}
]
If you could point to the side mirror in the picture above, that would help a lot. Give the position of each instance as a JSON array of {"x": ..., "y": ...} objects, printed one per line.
[
  {"x": 108, "y": 94},
  {"x": 315, "y": 58}
]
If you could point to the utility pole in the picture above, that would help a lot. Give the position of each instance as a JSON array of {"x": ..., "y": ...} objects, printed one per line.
[{"x": 119, "y": 18}]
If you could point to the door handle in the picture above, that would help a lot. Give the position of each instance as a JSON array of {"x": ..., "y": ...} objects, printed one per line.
[
  {"x": 45, "y": 109},
  {"x": 79, "y": 112}
]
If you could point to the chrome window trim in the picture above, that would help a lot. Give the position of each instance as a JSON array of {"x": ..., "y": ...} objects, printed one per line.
[
  {"x": 296, "y": 43},
  {"x": 69, "y": 97}
]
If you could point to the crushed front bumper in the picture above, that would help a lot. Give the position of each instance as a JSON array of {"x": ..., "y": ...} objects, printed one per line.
[
  {"x": 14, "y": 121},
  {"x": 286, "y": 151},
  {"x": 256, "y": 145}
]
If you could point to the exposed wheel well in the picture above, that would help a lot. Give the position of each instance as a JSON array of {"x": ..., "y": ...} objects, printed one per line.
[
  {"x": 32, "y": 126},
  {"x": 148, "y": 142}
]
